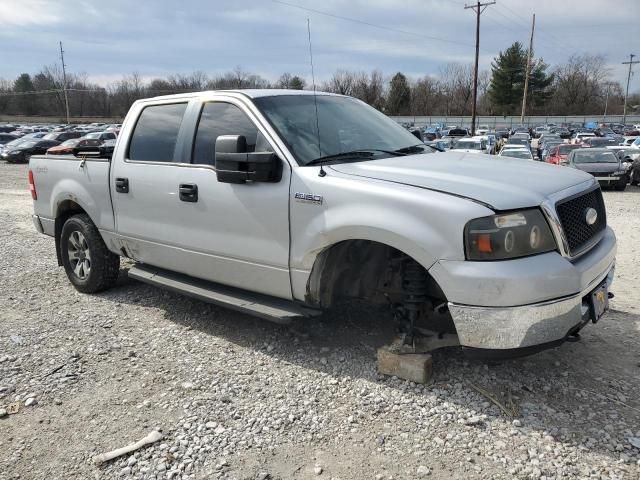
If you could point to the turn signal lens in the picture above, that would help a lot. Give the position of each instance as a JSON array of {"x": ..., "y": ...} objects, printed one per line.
[{"x": 484, "y": 243}]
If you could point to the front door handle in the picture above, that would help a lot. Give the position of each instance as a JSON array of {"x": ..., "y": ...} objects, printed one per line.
[
  {"x": 122, "y": 185},
  {"x": 188, "y": 192}
]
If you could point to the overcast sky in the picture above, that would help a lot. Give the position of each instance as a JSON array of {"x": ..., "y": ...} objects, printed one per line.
[{"x": 157, "y": 37}]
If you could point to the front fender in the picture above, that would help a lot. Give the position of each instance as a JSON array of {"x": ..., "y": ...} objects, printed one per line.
[{"x": 424, "y": 224}]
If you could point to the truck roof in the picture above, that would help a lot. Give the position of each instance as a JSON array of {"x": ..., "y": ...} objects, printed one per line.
[{"x": 251, "y": 93}]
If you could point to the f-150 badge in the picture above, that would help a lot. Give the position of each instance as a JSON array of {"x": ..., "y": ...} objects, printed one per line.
[{"x": 308, "y": 198}]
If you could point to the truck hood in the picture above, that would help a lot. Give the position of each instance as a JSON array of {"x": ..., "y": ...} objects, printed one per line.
[{"x": 502, "y": 183}]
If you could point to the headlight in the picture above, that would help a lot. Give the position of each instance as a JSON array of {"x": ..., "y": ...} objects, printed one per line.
[
  {"x": 508, "y": 235},
  {"x": 15, "y": 152}
]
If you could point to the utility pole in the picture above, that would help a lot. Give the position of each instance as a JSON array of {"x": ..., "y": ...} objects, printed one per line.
[
  {"x": 528, "y": 71},
  {"x": 606, "y": 103},
  {"x": 64, "y": 82},
  {"x": 478, "y": 8},
  {"x": 626, "y": 95}
]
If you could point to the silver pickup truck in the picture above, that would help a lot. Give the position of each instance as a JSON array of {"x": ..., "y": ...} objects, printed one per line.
[{"x": 283, "y": 203}]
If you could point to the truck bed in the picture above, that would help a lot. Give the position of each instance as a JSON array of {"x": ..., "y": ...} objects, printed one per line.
[{"x": 55, "y": 176}]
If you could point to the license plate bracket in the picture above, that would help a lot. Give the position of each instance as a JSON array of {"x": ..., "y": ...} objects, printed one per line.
[{"x": 599, "y": 301}]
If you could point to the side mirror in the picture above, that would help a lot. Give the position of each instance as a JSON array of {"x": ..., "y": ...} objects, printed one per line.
[{"x": 235, "y": 165}]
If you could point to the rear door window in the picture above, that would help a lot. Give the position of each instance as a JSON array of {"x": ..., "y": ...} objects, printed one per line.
[
  {"x": 156, "y": 133},
  {"x": 218, "y": 118}
]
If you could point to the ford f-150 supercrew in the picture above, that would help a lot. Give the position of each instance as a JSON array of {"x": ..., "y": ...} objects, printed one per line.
[{"x": 282, "y": 203}]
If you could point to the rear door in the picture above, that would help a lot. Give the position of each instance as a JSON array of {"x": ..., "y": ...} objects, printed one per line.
[{"x": 235, "y": 234}]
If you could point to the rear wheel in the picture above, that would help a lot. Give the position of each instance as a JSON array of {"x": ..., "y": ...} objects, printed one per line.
[{"x": 89, "y": 264}]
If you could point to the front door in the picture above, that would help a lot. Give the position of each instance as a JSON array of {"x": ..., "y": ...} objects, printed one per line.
[{"x": 175, "y": 214}]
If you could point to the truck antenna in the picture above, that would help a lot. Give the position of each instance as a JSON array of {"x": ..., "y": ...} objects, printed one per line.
[{"x": 322, "y": 173}]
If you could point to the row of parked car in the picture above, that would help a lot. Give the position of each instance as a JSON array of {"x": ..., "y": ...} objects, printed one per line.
[
  {"x": 19, "y": 142},
  {"x": 613, "y": 158}
]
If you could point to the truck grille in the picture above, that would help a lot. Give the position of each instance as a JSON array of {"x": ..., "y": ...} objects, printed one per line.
[{"x": 572, "y": 214}]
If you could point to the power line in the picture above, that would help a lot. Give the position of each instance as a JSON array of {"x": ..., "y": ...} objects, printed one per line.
[
  {"x": 631, "y": 62},
  {"x": 548, "y": 42},
  {"x": 369, "y": 24},
  {"x": 55, "y": 90},
  {"x": 478, "y": 8},
  {"x": 525, "y": 22}
]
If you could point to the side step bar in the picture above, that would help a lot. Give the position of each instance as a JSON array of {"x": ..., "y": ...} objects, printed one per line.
[{"x": 270, "y": 308}]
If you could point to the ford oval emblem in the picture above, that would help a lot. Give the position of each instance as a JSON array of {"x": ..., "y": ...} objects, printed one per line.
[{"x": 590, "y": 216}]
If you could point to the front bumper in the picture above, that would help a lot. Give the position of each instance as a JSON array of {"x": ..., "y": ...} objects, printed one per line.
[
  {"x": 610, "y": 181},
  {"x": 526, "y": 302},
  {"x": 507, "y": 328}
]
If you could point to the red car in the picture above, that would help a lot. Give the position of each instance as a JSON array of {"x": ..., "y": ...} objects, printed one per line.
[
  {"x": 66, "y": 148},
  {"x": 560, "y": 152}
]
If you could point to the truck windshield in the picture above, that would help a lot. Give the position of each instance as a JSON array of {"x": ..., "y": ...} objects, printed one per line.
[{"x": 344, "y": 125}]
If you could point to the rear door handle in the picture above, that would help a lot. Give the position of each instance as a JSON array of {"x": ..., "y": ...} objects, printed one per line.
[
  {"x": 122, "y": 185},
  {"x": 188, "y": 192}
]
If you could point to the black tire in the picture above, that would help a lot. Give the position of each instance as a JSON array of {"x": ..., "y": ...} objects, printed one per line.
[
  {"x": 81, "y": 243},
  {"x": 620, "y": 187}
]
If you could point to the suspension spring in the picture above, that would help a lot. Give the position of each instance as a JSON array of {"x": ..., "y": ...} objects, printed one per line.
[{"x": 415, "y": 288}]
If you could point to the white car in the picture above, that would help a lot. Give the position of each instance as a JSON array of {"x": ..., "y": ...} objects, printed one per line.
[
  {"x": 470, "y": 145},
  {"x": 491, "y": 141},
  {"x": 580, "y": 136},
  {"x": 628, "y": 141},
  {"x": 482, "y": 129},
  {"x": 523, "y": 153}
]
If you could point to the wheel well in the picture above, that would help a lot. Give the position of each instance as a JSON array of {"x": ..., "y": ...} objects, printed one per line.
[
  {"x": 382, "y": 276},
  {"x": 361, "y": 269},
  {"x": 66, "y": 209}
]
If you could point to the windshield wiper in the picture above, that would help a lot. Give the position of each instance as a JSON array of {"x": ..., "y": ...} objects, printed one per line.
[
  {"x": 437, "y": 149},
  {"x": 366, "y": 153},
  {"x": 415, "y": 149}
]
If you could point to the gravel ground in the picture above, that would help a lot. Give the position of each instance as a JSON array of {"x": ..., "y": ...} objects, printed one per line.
[{"x": 240, "y": 398}]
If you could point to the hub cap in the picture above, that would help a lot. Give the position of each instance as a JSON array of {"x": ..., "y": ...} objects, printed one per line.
[{"x": 79, "y": 255}]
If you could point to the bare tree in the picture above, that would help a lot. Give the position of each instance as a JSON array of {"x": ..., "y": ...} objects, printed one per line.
[
  {"x": 424, "y": 95},
  {"x": 457, "y": 82},
  {"x": 369, "y": 88},
  {"x": 579, "y": 85},
  {"x": 341, "y": 82}
]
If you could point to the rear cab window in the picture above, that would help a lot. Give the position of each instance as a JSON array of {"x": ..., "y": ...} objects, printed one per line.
[{"x": 155, "y": 134}]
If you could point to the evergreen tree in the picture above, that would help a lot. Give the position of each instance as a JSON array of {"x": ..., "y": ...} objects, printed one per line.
[
  {"x": 25, "y": 102},
  {"x": 399, "y": 99},
  {"x": 507, "y": 81},
  {"x": 296, "y": 83}
]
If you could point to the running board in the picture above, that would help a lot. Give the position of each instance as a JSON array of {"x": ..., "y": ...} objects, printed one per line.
[{"x": 260, "y": 305}]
